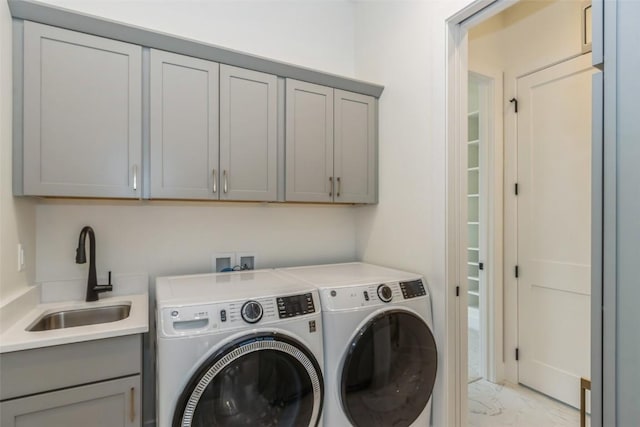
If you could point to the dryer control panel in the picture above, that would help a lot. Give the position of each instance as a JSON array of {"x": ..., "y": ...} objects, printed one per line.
[{"x": 369, "y": 295}]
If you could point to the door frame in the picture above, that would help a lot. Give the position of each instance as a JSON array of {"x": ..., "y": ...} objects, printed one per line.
[{"x": 456, "y": 75}]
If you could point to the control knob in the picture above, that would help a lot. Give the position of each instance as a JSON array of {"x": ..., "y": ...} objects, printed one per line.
[
  {"x": 251, "y": 311},
  {"x": 385, "y": 293}
]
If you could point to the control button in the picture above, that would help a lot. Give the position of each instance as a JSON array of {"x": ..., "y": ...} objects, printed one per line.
[
  {"x": 385, "y": 293},
  {"x": 312, "y": 326},
  {"x": 366, "y": 296},
  {"x": 174, "y": 313},
  {"x": 334, "y": 293},
  {"x": 251, "y": 311},
  {"x": 223, "y": 315}
]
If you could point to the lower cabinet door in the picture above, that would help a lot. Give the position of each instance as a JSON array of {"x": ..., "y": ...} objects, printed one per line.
[{"x": 104, "y": 404}]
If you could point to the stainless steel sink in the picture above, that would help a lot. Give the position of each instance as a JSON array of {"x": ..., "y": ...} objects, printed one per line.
[{"x": 80, "y": 317}]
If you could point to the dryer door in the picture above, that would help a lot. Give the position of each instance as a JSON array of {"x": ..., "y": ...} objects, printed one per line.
[
  {"x": 259, "y": 380},
  {"x": 389, "y": 371}
]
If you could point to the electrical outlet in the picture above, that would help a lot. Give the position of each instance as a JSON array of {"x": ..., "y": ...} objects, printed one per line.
[{"x": 20, "y": 257}]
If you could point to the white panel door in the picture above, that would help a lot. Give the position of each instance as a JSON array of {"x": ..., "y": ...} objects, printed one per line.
[
  {"x": 184, "y": 127},
  {"x": 554, "y": 223},
  {"x": 248, "y": 134}
]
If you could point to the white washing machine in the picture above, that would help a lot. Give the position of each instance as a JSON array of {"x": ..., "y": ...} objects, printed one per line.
[
  {"x": 238, "y": 349},
  {"x": 380, "y": 353}
]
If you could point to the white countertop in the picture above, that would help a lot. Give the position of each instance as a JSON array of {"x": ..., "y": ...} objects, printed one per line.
[{"x": 15, "y": 337}]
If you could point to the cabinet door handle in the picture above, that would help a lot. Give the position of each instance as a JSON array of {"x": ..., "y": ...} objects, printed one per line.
[
  {"x": 132, "y": 409},
  {"x": 224, "y": 172},
  {"x": 135, "y": 177},
  {"x": 330, "y": 186},
  {"x": 339, "y": 187},
  {"x": 215, "y": 180}
]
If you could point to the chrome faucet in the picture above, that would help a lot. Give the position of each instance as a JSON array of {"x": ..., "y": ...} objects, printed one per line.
[{"x": 81, "y": 257}]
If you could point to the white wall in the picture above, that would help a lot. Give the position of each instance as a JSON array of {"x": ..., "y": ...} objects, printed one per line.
[
  {"x": 527, "y": 36},
  {"x": 401, "y": 44},
  {"x": 164, "y": 238},
  {"x": 313, "y": 33},
  {"x": 17, "y": 216}
]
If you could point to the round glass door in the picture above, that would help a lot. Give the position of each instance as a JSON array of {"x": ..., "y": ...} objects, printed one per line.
[
  {"x": 266, "y": 380},
  {"x": 389, "y": 371}
]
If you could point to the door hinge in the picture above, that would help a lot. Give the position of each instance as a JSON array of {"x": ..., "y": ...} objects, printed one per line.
[
  {"x": 517, "y": 354},
  {"x": 516, "y": 271},
  {"x": 514, "y": 101},
  {"x": 481, "y": 266},
  {"x": 516, "y": 189},
  {"x": 457, "y": 291}
]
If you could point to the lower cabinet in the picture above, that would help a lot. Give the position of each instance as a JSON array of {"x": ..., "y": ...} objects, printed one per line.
[
  {"x": 114, "y": 403},
  {"x": 92, "y": 383}
]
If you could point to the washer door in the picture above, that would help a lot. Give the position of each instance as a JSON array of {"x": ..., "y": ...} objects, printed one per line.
[
  {"x": 260, "y": 380},
  {"x": 389, "y": 371}
]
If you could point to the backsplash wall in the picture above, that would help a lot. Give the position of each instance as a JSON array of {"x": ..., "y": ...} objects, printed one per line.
[{"x": 166, "y": 238}]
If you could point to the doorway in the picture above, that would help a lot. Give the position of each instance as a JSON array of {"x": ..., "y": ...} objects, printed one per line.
[
  {"x": 481, "y": 243},
  {"x": 546, "y": 203}
]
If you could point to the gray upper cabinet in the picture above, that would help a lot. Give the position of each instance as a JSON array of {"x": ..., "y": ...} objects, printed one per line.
[
  {"x": 354, "y": 148},
  {"x": 184, "y": 127},
  {"x": 309, "y": 142},
  {"x": 248, "y": 135},
  {"x": 90, "y": 113},
  {"x": 213, "y": 130},
  {"x": 330, "y": 145},
  {"x": 81, "y": 115}
]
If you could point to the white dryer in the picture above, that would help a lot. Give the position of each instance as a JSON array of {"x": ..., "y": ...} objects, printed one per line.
[
  {"x": 238, "y": 349},
  {"x": 380, "y": 353}
]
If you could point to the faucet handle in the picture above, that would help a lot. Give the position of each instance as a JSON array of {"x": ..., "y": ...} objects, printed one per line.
[{"x": 104, "y": 288}]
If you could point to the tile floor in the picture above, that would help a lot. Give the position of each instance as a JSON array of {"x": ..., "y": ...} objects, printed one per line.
[{"x": 498, "y": 405}]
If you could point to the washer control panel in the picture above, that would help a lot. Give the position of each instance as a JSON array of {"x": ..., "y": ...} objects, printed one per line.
[
  {"x": 181, "y": 320},
  {"x": 412, "y": 289},
  {"x": 295, "y": 305}
]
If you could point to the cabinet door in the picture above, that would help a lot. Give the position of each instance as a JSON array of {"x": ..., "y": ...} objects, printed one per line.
[
  {"x": 355, "y": 148},
  {"x": 184, "y": 127},
  {"x": 114, "y": 403},
  {"x": 248, "y": 134},
  {"x": 82, "y": 114},
  {"x": 309, "y": 142}
]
